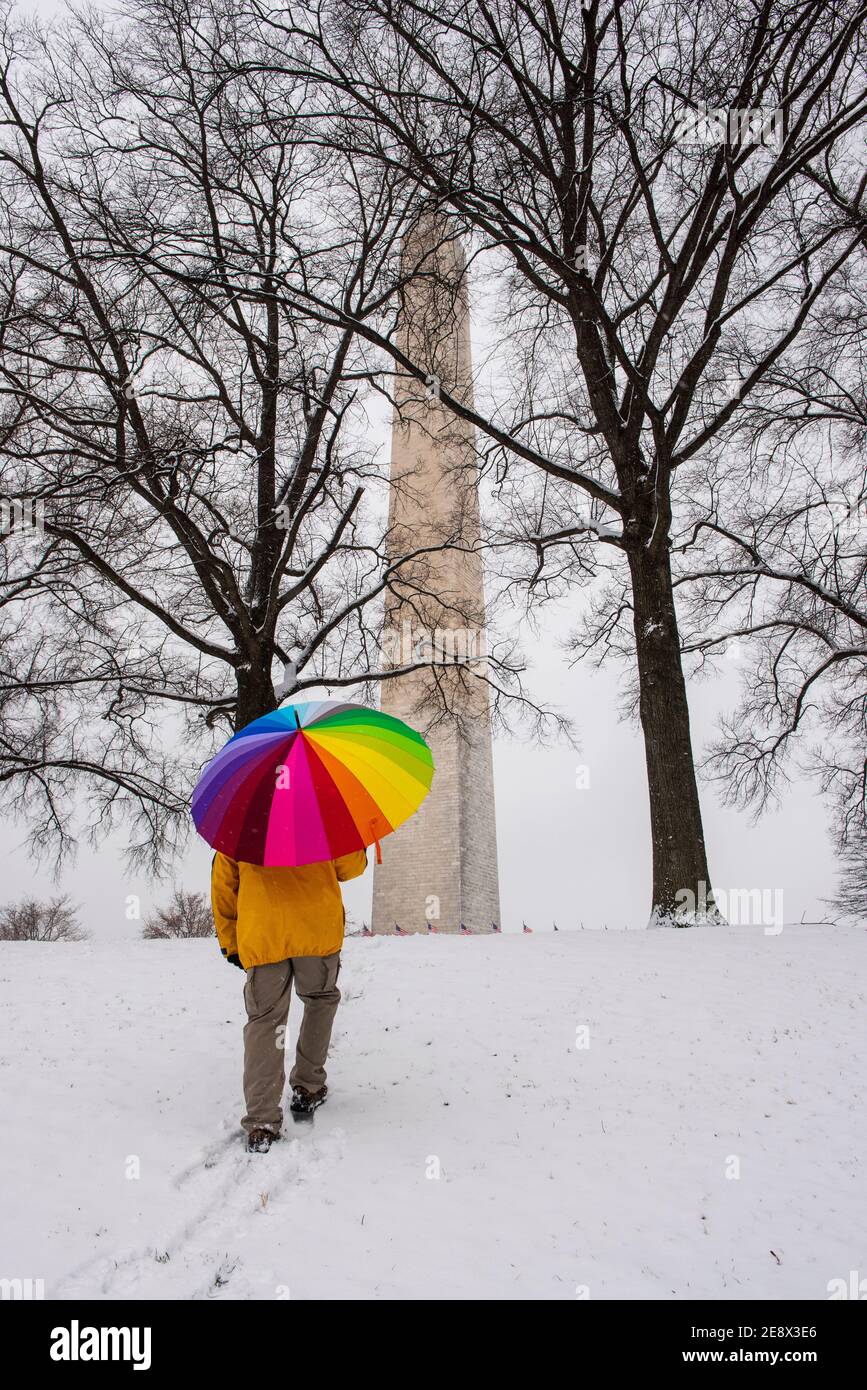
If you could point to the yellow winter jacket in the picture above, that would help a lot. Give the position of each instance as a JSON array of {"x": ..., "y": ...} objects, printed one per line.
[{"x": 265, "y": 915}]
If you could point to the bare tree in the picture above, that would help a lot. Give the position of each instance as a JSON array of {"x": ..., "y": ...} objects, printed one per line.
[
  {"x": 778, "y": 572},
  {"x": 185, "y": 915},
  {"x": 640, "y": 185},
  {"x": 850, "y": 899},
  {"x": 31, "y": 920},
  {"x": 783, "y": 593},
  {"x": 195, "y": 440}
]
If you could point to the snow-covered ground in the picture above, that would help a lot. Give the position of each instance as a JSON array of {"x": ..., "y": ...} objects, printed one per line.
[{"x": 603, "y": 1170}]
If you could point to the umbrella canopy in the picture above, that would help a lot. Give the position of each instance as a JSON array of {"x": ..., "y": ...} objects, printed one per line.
[{"x": 311, "y": 782}]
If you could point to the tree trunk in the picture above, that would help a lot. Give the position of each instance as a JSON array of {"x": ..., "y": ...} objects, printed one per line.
[
  {"x": 682, "y": 891},
  {"x": 255, "y": 693}
]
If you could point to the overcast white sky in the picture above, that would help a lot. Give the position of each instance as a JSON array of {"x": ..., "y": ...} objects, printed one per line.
[{"x": 577, "y": 857}]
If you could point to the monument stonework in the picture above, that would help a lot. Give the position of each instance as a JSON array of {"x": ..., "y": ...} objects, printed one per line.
[{"x": 440, "y": 868}]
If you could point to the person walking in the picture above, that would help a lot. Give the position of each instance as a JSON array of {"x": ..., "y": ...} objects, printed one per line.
[{"x": 283, "y": 924}]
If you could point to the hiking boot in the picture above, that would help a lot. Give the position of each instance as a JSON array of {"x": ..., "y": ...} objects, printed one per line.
[
  {"x": 259, "y": 1141},
  {"x": 304, "y": 1102}
]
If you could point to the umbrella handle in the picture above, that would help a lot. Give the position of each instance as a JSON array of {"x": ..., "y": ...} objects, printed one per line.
[{"x": 372, "y": 824}]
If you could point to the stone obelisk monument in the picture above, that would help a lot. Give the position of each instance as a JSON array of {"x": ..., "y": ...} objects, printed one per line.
[{"x": 439, "y": 870}]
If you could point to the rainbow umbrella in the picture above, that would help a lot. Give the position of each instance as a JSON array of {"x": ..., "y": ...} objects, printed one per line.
[{"x": 311, "y": 782}]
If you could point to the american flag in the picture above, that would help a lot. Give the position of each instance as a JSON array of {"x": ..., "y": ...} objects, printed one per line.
[
  {"x": 431, "y": 927},
  {"x": 466, "y": 931},
  {"x": 494, "y": 927},
  {"x": 527, "y": 929}
]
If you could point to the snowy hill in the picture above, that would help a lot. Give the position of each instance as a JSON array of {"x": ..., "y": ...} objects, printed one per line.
[{"x": 602, "y": 1170}]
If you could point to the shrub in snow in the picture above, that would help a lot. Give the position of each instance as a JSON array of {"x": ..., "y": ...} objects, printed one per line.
[
  {"x": 31, "y": 920},
  {"x": 187, "y": 914}
]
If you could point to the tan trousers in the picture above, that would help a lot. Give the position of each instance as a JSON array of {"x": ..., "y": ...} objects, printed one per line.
[{"x": 266, "y": 996}]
